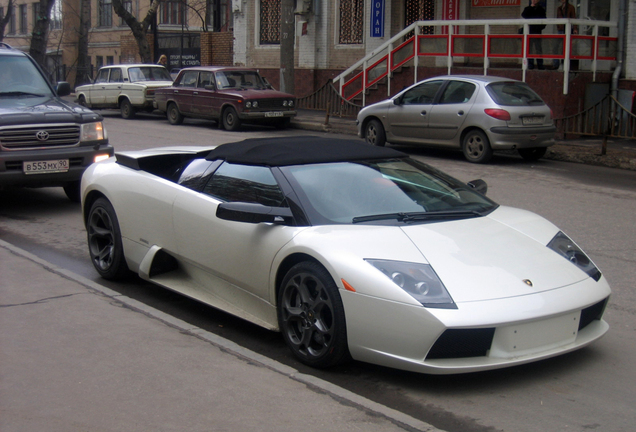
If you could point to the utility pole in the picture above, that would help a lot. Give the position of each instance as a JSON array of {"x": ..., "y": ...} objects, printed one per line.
[{"x": 287, "y": 37}]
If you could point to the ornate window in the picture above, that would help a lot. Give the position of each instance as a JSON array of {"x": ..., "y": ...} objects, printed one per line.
[
  {"x": 351, "y": 21},
  {"x": 270, "y": 22}
]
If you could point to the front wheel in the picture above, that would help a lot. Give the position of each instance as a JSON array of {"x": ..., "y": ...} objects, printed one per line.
[
  {"x": 104, "y": 241},
  {"x": 127, "y": 110},
  {"x": 533, "y": 154},
  {"x": 311, "y": 316},
  {"x": 476, "y": 147},
  {"x": 374, "y": 133},
  {"x": 231, "y": 121},
  {"x": 174, "y": 115}
]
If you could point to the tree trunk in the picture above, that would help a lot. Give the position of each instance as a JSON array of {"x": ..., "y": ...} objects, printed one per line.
[
  {"x": 83, "y": 75},
  {"x": 40, "y": 34}
]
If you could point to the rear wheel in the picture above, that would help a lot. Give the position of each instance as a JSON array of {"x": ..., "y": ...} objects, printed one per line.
[
  {"x": 476, "y": 147},
  {"x": 374, "y": 133},
  {"x": 127, "y": 110},
  {"x": 104, "y": 241},
  {"x": 533, "y": 154},
  {"x": 311, "y": 316},
  {"x": 174, "y": 115},
  {"x": 231, "y": 120},
  {"x": 82, "y": 101}
]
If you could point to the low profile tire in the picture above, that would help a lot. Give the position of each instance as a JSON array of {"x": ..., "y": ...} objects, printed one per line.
[
  {"x": 104, "y": 241},
  {"x": 127, "y": 110},
  {"x": 231, "y": 120},
  {"x": 374, "y": 133},
  {"x": 174, "y": 115},
  {"x": 533, "y": 154},
  {"x": 72, "y": 191},
  {"x": 311, "y": 316},
  {"x": 476, "y": 147}
]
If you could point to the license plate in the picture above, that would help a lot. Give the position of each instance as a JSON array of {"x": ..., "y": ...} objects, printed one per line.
[
  {"x": 44, "y": 167},
  {"x": 274, "y": 114},
  {"x": 532, "y": 120}
]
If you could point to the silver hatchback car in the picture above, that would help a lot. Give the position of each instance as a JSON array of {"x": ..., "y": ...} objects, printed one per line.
[{"x": 477, "y": 114}]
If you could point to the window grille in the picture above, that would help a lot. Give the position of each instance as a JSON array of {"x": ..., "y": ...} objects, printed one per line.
[
  {"x": 270, "y": 22},
  {"x": 419, "y": 10},
  {"x": 351, "y": 21}
]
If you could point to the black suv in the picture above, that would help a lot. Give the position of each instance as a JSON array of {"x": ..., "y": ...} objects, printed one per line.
[{"x": 44, "y": 140}]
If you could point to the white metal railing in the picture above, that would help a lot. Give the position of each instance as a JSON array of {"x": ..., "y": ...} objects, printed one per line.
[{"x": 482, "y": 39}]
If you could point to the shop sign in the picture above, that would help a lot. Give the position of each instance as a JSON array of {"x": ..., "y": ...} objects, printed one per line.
[{"x": 491, "y": 3}]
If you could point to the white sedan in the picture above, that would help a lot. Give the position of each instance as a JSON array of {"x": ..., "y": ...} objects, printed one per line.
[{"x": 349, "y": 250}]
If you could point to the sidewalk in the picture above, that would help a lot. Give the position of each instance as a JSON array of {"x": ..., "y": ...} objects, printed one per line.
[
  {"x": 620, "y": 153},
  {"x": 75, "y": 356}
]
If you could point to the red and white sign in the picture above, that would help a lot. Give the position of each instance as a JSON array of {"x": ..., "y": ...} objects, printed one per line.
[{"x": 450, "y": 11}]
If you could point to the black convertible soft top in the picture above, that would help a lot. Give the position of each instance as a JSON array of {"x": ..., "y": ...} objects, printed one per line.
[{"x": 299, "y": 150}]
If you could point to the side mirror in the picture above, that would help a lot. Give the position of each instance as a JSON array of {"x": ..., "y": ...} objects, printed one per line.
[
  {"x": 63, "y": 88},
  {"x": 397, "y": 101},
  {"x": 253, "y": 213},
  {"x": 479, "y": 186}
]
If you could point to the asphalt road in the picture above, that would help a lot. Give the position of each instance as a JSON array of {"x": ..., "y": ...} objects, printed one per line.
[{"x": 592, "y": 389}]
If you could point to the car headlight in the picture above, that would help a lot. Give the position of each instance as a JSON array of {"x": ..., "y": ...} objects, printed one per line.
[
  {"x": 418, "y": 280},
  {"x": 248, "y": 104},
  {"x": 291, "y": 103},
  {"x": 564, "y": 246},
  {"x": 255, "y": 104},
  {"x": 93, "y": 132}
]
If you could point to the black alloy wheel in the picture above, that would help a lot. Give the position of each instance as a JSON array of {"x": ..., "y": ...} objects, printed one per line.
[
  {"x": 104, "y": 241},
  {"x": 311, "y": 316}
]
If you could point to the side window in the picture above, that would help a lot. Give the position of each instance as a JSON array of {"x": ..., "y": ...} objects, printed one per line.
[
  {"x": 115, "y": 75},
  {"x": 206, "y": 78},
  {"x": 423, "y": 94},
  {"x": 457, "y": 92},
  {"x": 102, "y": 76},
  {"x": 189, "y": 79},
  {"x": 245, "y": 183}
]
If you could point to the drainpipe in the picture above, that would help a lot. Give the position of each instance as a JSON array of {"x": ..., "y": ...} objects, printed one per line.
[{"x": 620, "y": 52}]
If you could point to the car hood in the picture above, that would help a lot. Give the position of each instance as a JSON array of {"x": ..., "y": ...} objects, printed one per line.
[
  {"x": 259, "y": 94},
  {"x": 33, "y": 110},
  {"x": 501, "y": 255},
  {"x": 484, "y": 258}
]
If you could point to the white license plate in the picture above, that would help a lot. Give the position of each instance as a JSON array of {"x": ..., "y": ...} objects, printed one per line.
[
  {"x": 532, "y": 120},
  {"x": 274, "y": 114},
  {"x": 44, "y": 167}
]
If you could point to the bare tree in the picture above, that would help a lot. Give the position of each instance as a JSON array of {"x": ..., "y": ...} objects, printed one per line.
[
  {"x": 83, "y": 60},
  {"x": 40, "y": 33},
  {"x": 5, "y": 19},
  {"x": 139, "y": 28}
]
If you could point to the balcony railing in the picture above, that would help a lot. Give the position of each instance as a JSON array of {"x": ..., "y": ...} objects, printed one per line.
[{"x": 485, "y": 42}]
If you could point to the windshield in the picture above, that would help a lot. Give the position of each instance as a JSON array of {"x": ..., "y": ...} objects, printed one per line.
[
  {"x": 388, "y": 191},
  {"x": 239, "y": 79},
  {"x": 18, "y": 76},
  {"x": 149, "y": 73}
]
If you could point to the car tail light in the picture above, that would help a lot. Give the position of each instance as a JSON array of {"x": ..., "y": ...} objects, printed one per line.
[
  {"x": 499, "y": 114},
  {"x": 551, "y": 114}
]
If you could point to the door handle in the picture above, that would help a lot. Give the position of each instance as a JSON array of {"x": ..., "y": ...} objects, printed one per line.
[
  {"x": 423, "y": 113},
  {"x": 195, "y": 93},
  {"x": 460, "y": 112}
]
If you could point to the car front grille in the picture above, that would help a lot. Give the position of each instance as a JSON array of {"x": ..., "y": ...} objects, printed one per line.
[
  {"x": 39, "y": 136},
  {"x": 592, "y": 313},
  {"x": 266, "y": 104}
]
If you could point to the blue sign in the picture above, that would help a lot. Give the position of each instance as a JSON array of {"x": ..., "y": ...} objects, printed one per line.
[{"x": 377, "y": 18}]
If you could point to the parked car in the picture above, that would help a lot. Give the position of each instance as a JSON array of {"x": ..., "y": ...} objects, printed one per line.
[
  {"x": 129, "y": 88},
  {"x": 477, "y": 114},
  {"x": 44, "y": 140},
  {"x": 349, "y": 250},
  {"x": 229, "y": 95}
]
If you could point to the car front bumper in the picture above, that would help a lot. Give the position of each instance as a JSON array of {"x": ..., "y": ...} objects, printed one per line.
[
  {"x": 513, "y": 331},
  {"x": 12, "y": 165}
]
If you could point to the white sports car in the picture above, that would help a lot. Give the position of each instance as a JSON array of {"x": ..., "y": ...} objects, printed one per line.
[{"x": 349, "y": 250}]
